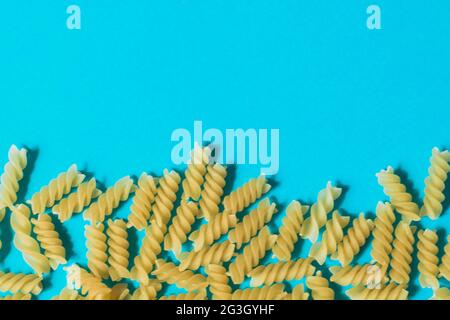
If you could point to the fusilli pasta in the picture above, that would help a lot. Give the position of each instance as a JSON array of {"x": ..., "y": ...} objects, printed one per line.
[
  {"x": 271, "y": 292},
  {"x": 17, "y": 296},
  {"x": 143, "y": 199},
  {"x": 20, "y": 282},
  {"x": 402, "y": 253},
  {"x": 218, "y": 282},
  {"x": 165, "y": 197},
  {"x": 195, "y": 173},
  {"x": 366, "y": 274},
  {"x": 217, "y": 253},
  {"x": 12, "y": 174},
  {"x": 97, "y": 250},
  {"x": 298, "y": 293},
  {"x": 212, "y": 190},
  {"x": 444, "y": 268},
  {"x": 428, "y": 259},
  {"x": 193, "y": 295},
  {"x": 320, "y": 287},
  {"x": 390, "y": 292},
  {"x": 118, "y": 249},
  {"x": 169, "y": 272},
  {"x": 441, "y": 294},
  {"x": 383, "y": 234}
]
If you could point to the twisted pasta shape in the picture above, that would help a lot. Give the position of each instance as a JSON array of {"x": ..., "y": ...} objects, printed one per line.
[
  {"x": 12, "y": 174},
  {"x": 319, "y": 211},
  {"x": 383, "y": 234},
  {"x": 288, "y": 232},
  {"x": 402, "y": 253},
  {"x": 109, "y": 200},
  {"x": 147, "y": 292},
  {"x": 169, "y": 272},
  {"x": 166, "y": 196},
  {"x": 435, "y": 183},
  {"x": 444, "y": 268},
  {"x": 390, "y": 292},
  {"x": 298, "y": 293},
  {"x": 320, "y": 287},
  {"x": 118, "y": 249},
  {"x": 245, "y": 195},
  {"x": 281, "y": 271},
  {"x": 209, "y": 232},
  {"x": 181, "y": 226},
  {"x": 441, "y": 294},
  {"x": 31, "y": 252},
  {"x": 428, "y": 259},
  {"x": 56, "y": 189},
  {"x": 20, "y": 282},
  {"x": 195, "y": 173},
  {"x": 401, "y": 200},
  {"x": 76, "y": 201},
  {"x": 251, "y": 255},
  {"x": 212, "y": 190},
  {"x": 49, "y": 240},
  {"x": 143, "y": 199},
  {"x": 2, "y": 216},
  {"x": 355, "y": 239},
  {"x": 252, "y": 223},
  {"x": 273, "y": 292},
  {"x": 96, "y": 250},
  {"x": 68, "y": 294},
  {"x": 93, "y": 286},
  {"x": 217, "y": 253},
  {"x": 333, "y": 235},
  {"x": 193, "y": 295},
  {"x": 218, "y": 282},
  {"x": 366, "y": 275},
  {"x": 17, "y": 296}
]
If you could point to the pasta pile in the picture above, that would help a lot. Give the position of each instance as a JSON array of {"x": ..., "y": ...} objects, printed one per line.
[{"x": 213, "y": 258}]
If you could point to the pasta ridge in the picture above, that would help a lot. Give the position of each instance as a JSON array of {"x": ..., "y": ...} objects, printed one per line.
[
  {"x": 20, "y": 282},
  {"x": 428, "y": 259},
  {"x": 143, "y": 200},
  {"x": 445, "y": 264},
  {"x": 195, "y": 173},
  {"x": 12, "y": 174},
  {"x": 212, "y": 190},
  {"x": 165, "y": 197},
  {"x": 218, "y": 282},
  {"x": 215, "y": 254},
  {"x": 402, "y": 253},
  {"x": 383, "y": 234},
  {"x": 118, "y": 249},
  {"x": 97, "y": 250}
]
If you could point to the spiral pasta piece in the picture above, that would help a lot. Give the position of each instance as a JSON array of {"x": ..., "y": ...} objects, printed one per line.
[
  {"x": 2, "y": 216},
  {"x": 246, "y": 195},
  {"x": 56, "y": 189},
  {"x": 12, "y": 174},
  {"x": 193, "y": 295},
  {"x": 281, "y": 271},
  {"x": 319, "y": 211},
  {"x": 146, "y": 292},
  {"x": 17, "y": 296},
  {"x": 212, "y": 190},
  {"x": 289, "y": 230},
  {"x": 120, "y": 291},
  {"x": 20, "y": 282},
  {"x": 273, "y": 292},
  {"x": 251, "y": 255},
  {"x": 166, "y": 196},
  {"x": 68, "y": 294},
  {"x": 213, "y": 230},
  {"x": 76, "y": 201},
  {"x": 49, "y": 240},
  {"x": 143, "y": 199},
  {"x": 383, "y": 234},
  {"x": 218, "y": 282},
  {"x": 195, "y": 173},
  {"x": 181, "y": 226},
  {"x": 29, "y": 247},
  {"x": 402, "y": 253},
  {"x": 118, "y": 249},
  {"x": 217, "y": 253},
  {"x": 93, "y": 286},
  {"x": 441, "y": 294},
  {"x": 320, "y": 287},
  {"x": 332, "y": 236},
  {"x": 428, "y": 259},
  {"x": 169, "y": 272},
  {"x": 369, "y": 275},
  {"x": 109, "y": 200},
  {"x": 298, "y": 293},
  {"x": 96, "y": 250},
  {"x": 444, "y": 268},
  {"x": 400, "y": 199},
  {"x": 390, "y": 292},
  {"x": 354, "y": 240},
  {"x": 435, "y": 183}
]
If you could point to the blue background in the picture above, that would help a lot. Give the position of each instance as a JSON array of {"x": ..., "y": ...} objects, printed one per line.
[{"x": 348, "y": 101}]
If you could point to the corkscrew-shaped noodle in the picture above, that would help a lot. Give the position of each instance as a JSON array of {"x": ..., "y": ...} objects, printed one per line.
[
  {"x": 332, "y": 236},
  {"x": 169, "y": 272},
  {"x": 118, "y": 249},
  {"x": 400, "y": 199},
  {"x": 428, "y": 259},
  {"x": 246, "y": 195},
  {"x": 319, "y": 211},
  {"x": 218, "y": 282},
  {"x": 143, "y": 199},
  {"x": 49, "y": 240},
  {"x": 17, "y": 296},
  {"x": 76, "y": 201},
  {"x": 271, "y": 292},
  {"x": 252, "y": 223},
  {"x": 217, "y": 253},
  {"x": 93, "y": 286},
  {"x": 298, "y": 293},
  {"x": 166, "y": 196},
  {"x": 281, "y": 271},
  {"x": 195, "y": 173},
  {"x": 120, "y": 291},
  {"x": 146, "y": 292},
  {"x": 320, "y": 287},
  {"x": 193, "y": 295},
  {"x": 12, "y": 174},
  {"x": 56, "y": 189},
  {"x": 390, "y": 292},
  {"x": 367, "y": 274},
  {"x": 444, "y": 268},
  {"x": 441, "y": 294},
  {"x": 383, "y": 234},
  {"x": 68, "y": 294},
  {"x": 20, "y": 282},
  {"x": 212, "y": 190},
  {"x": 402, "y": 253},
  {"x": 96, "y": 250},
  {"x": 31, "y": 251}
]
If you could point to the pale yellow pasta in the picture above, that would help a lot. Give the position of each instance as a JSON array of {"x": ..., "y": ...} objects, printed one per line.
[
  {"x": 320, "y": 287},
  {"x": 148, "y": 291},
  {"x": 120, "y": 291},
  {"x": 109, "y": 200},
  {"x": 281, "y": 271},
  {"x": 97, "y": 250},
  {"x": 332, "y": 236},
  {"x": 17, "y": 296},
  {"x": 76, "y": 201},
  {"x": 402, "y": 253},
  {"x": 252, "y": 223},
  {"x": 246, "y": 195},
  {"x": 441, "y": 294},
  {"x": 25, "y": 243},
  {"x": 383, "y": 234},
  {"x": 143, "y": 200},
  {"x": 2, "y": 216},
  {"x": 390, "y": 292},
  {"x": 367, "y": 275},
  {"x": 444, "y": 268},
  {"x": 298, "y": 293},
  {"x": 49, "y": 240},
  {"x": 89, "y": 284},
  {"x": 218, "y": 282},
  {"x": 435, "y": 183},
  {"x": 193, "y": 295},
  {"x": 20, "y": 282},
  {"x": 68, "y": 294},
  {"x": 195, "y": 173},
  {"x": 165, "y": 197},
  {"x": 400, "y": 199},
  {"x": 12, "y": 174},
  {"x": 212, "y": 190},
  {"x": 169, "y": 272},
  {"x": 428, "y": 258},
  {"x": 118, "y": 249},
  {"x": 319, "y": 211},
  {"x": 354, "y": 240},
  {"x": 251, "y": 255},
  {"x": 56, "y": 189},
  {"x": 270, "y": 292},
  {"x": 217, "y": 253}
]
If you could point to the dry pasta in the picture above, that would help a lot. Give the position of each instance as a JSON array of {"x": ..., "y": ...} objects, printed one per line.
[
  {"x": 118, "y": 249},
  {"x": 320, "y": 287},
  {"x": 97, "y": 250},
  {"x": 169, "y": 272},
  {"x": 390, "y": 292},
  {"x": 12, "y": 174},
  {"x": 428, "y": 260},
  {"x": 195, "y": 173},
  {"x": 218, "y": 282},
  {"x": 298, "y": 293},
  {"x": 366, "y": 274},
  {"x": 89, "y": 284},
  {"x": 212, "y": 190},
  {"x": 165, "y": 197},
  {"x": 193, "y": 295},
  {"x": 143, "y": 199},
  {"x": 20, "y": 282},
  {"x": 441, "y": 294},
  {"x": 402, "y": 253},
  {"x": 17, "y": 296},
  {"x": 271, "y": 292},
  {"x": 383, "y": 234},
  {"x": 217, "y": 253},
  {"x": 67, "y": 294},
  {"x": 444, "y": 268}
]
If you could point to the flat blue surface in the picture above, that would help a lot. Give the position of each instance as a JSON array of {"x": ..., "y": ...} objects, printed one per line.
[{"x": 348, "y": 101}]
